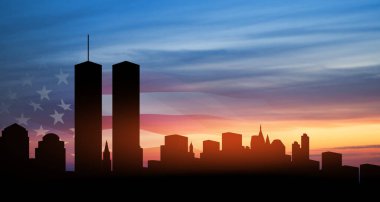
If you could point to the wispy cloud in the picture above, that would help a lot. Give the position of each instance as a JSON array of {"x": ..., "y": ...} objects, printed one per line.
[{"x": 359, "y": 147}]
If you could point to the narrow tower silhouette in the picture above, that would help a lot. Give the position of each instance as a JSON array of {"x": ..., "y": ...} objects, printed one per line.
[
  {"x": 127, "y": 153},
  {"x": 106, "y": 159},
  {"x": 305, "y": 147},
  {"x": 88, "y": 117}
]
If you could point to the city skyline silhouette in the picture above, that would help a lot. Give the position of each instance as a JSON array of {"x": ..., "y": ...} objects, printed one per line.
[
  {"x": 262, "y": 157},
  {"x": 190, "y": 100}
]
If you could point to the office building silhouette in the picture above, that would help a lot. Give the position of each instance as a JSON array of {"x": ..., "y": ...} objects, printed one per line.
[
  {"x": 331, "y": 161},
  {"x": 14, "y": 148},
  {"x": 175, "y": 149},
  {"x": 176, "y": 155},
  {"x": 301, "y": 153},
  {"x": 51, "y": 154},
  {"x": 231, "y": 143},
  {"x": 88, "y": 118},
  {"x": 211, "y": 149},
  {"x": 349, "y": 175},
  {"x": 278, "y": 148},
  {"x": 106, "y": 162},
  {"x": 301, "y": 161},
  {"x": 126, "y": 151},
  {"x": 370, "y": 174}
]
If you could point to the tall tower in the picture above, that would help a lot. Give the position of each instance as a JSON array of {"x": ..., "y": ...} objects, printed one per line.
[
  {"x": 305, "y": 146},
  {"x": 88, "y": 117},
  {"x": 127, "y": 153}
]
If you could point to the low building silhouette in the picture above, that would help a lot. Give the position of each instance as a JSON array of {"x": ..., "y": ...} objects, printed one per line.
[
  {"x": 349, "y": 175},
  {"x": 176, "y": 155},
  {"x": 211, "y": 149},
  {"x": 331, "y": 162},
  {"x": 370, "y": 174},
  {"x": 51, "y": 154}
]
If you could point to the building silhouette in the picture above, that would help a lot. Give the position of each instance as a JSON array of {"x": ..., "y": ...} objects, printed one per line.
[
  {"x": 305, "y": 147},
  {"x": 51, "y": 154},
  {"x": 370, "y": 174},
  {"x": 335, "y": 173},
  {"x": 88, "y": 118},
  {"x": 296, "y": 152},
  {"x": 231, "y": 143},
  {"x": 176, "y": 155},
  {"x": 191, "y": 150},
  {"x": 175, "y": 149},
  {"x": 258, "y": 144},
  {"x": 331, "y": 161},
  {"x": 127, "y": 153},
  {"x": 14, "y": 149},
  {"x": 349, "y": 175},
  {"x": 106, "y": 162},
  {"x": 301, "y": 161},
  {"x": 211, "y": 149}
]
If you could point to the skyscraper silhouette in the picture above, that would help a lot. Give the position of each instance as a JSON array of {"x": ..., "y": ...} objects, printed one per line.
[
  {"x": 106, "y": 159},
  {"x": 305, "y": 148},
  {"x": 14, "y": 148},
  {"x": 51, "y": 154},
  {"x": 127, "y": 153},
  {"x": 88, "y": 117}
]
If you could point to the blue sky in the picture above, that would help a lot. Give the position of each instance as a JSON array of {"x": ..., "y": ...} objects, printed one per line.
[
  {"x": 254, "y": 60},
  {"x": 299, "y": 52}
]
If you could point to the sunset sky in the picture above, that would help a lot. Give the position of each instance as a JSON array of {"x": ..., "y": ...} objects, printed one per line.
[{"x": 207, "y": 67}]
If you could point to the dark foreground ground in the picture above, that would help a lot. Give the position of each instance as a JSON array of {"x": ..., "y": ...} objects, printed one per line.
[{"x": 217, "y": 187}]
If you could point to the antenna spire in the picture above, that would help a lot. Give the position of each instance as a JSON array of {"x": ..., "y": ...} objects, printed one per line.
[{"x": 88, "y": 47}]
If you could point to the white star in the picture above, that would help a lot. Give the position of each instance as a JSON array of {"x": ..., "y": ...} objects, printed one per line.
[
  {"x": 4, "y": 108},
  {"x": 64, "y": 106},
  {"x": 44, "y": 93},
  {"x": 36, "y": 106},
  {"x": 12, "y": 95},
  {"x": 41, "y": 131},
  {"x": 27, "y": 81},
  {"x": 62, "y": 77},
  {"x": 57, "y": 117},
  {"x": 22, "y": 120}
]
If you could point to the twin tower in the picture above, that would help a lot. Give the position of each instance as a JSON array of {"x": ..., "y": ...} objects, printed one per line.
[{"x": 127, "y": 153}]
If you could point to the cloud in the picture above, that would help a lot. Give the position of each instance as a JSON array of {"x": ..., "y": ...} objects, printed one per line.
[{"x": 359, "y": 147}]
